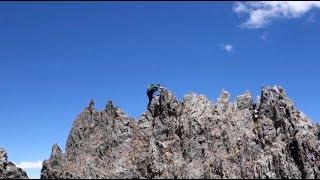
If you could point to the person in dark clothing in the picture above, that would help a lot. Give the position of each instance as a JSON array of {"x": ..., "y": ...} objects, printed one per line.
[{"x": 151, "y": 90}]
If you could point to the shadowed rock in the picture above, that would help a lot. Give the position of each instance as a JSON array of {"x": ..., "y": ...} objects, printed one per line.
[{"x": 8, "y": 170}]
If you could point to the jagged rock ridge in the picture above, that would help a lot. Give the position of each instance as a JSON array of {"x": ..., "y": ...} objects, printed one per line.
[
  {"x": 194, "y": 138},
  {"x": 8, "y": 170}
]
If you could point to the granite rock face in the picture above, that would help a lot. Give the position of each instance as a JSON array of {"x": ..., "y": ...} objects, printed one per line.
[
  {"x": 192, "y": 138},
  {"x": 8, "y": 170}
]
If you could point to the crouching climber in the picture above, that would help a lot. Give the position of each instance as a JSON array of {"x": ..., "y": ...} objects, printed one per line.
[{"x": 151, "y": 90}]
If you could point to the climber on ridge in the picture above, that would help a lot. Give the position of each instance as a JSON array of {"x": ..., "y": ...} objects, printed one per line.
[{"x": 151, "y": 90}]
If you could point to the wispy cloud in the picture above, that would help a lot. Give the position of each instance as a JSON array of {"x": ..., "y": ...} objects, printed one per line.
[
  {"x": 311, "y": 19},
  {"x": 228, "y": 47},
  {"x": 30, "y": 165},
  {"x": 264, "y": 36},
  {"x": 262, "y": 13}
]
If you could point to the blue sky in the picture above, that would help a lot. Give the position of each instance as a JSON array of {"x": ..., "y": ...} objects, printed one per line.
[{"x": 56, "y": 56}]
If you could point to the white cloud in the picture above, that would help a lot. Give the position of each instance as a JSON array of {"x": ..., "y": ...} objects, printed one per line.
[
  {"x": 262, "y": 13},
  {"x": 30, "y": 165},
  {"x": 228, "y": 47}
]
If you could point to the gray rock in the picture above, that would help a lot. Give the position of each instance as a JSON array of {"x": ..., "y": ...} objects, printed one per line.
[
  {"x": 3, "y": 155},
  {"x": 8, "y": 170},
  {"x": 244, "y": 101},
  {"x": 194, "y": 138}
]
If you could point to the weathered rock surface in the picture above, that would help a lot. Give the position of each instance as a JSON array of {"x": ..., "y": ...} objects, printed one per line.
[
  {"x": 8, "y": 170},
  {"x": 194, "y": 138}
]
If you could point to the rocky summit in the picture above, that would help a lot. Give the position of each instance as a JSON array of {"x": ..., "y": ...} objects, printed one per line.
[
  {"x": 8, "y": 170},
  {"x": 192, "y": 138}
]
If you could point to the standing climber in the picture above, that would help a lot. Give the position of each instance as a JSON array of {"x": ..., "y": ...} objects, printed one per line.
[{"x": 151, "y": 90}]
